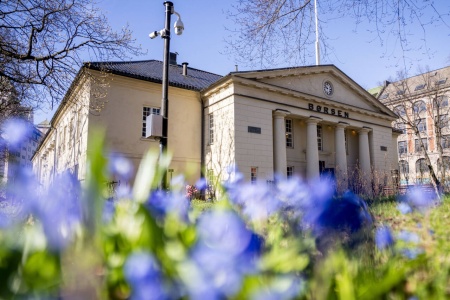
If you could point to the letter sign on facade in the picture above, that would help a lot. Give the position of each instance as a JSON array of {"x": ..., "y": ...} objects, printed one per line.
[{"x": 328, "y": 111}]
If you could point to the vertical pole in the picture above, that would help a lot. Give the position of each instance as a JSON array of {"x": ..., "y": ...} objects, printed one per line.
[
  {"x": 317, "y": 34},
  {"x": 165, "y": 89}
]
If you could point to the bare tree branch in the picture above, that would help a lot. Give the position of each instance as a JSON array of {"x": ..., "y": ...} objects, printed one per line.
[
  {"x": 269, "y": 31},
  {"x": 42, "y": 42}
]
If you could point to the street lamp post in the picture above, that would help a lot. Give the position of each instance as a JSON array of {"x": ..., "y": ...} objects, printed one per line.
[{"x": 165, "y": 34}]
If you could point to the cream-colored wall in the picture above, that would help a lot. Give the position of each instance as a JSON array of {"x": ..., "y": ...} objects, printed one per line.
[
  {"x": 122, "y": 118},
  {"x": 252, "y": 149},
  {"x": 221, "y": 154},
  {"x": 65, "y": 146}
]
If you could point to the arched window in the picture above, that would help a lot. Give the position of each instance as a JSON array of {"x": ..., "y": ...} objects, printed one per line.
[
  {"x": 400, "y": 110},
  {"x": 404, "y": 172},
  {"x": 419, "y": 107},
  {"x": 422, "y": 175}
]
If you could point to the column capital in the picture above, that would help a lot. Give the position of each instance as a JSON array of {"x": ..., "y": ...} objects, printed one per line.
[
  {"x": 313, "y": 120},
  {"x": 342, "y": 125},
  {"x": 280, "y": 113},
  {"x": 364, "y": 130}
]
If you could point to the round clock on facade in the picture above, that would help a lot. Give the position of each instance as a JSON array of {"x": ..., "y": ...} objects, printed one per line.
[{"x": 327, "y": 88}]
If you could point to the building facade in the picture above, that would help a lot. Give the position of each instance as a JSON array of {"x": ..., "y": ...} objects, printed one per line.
[
  {"x": 421, "y": 103},
  {"x": 302, "y": 121}
]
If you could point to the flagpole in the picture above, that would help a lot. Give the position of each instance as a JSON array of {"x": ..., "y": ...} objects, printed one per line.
[{"x": 317, "y": 34}]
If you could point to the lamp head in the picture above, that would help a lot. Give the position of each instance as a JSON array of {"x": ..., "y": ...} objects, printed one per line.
[{"x": 179, "y": 27}]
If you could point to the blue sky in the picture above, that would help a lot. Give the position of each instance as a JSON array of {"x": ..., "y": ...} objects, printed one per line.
[{"x": 203, "y": 43}]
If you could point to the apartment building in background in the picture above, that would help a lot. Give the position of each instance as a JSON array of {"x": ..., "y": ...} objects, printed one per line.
[{"x": 422, "y": 104}]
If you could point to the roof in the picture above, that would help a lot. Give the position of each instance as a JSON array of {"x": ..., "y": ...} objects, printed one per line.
[
  {"x": 151, "y": 70},
  {"x": 416, "y": 86}
]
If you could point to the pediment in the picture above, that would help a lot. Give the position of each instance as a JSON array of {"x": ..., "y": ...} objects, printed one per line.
[{"x": 317, "y": 81}]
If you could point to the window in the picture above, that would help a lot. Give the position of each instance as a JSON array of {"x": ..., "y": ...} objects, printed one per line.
[
  {"x": 418, "y": 147},
  {"x": 401, "y": 126},
  {"x": 420, "y": 87},
  {"x": 253, "y": 174},
  {"x": 211, "y": 128},
  {"x": 441, "y": 81},
  {"x": 421, "y": 170},
  {"x": 319, "y": 138},
  {"x": 419, "y": 107},
  {"x": 290, "y": 172},
  {"x": 289, "y": 134},
  {"x": 145, "y": 112},
  {"x": 402, "y": 147},
  {"x": 421, "y": 125},
  {"x": 443, "y": 101},
  {"x": 404, "y": 167},
  {"x": 446, "y": 160},
  {"x": 400, "y": 111},
  {"x": 445, "y": 141},
  {"x": 400, "y": 92},
  {"x": 443, "y": 121},
  {"x": 384, "y": 96}
]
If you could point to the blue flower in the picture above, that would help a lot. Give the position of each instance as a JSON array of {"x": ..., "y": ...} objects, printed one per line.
[
  {"x": 404, "y": 208},
  {"x": 201, "y": 184},
  {"x": 283, "y": 287},
  {"x": 144, "y": 276},
  {"x": 383, "y": 237},
  {"x": 109, "y": 209},
  {"x": 258, "y": 201},
  {"x": 120, "y": 167},
  {"x": 420, "y": 199},
  {"x": 348, "y": 213},
  {"x": 224, "y": 231},
  {"x": 407, "y": 236},
  {"x": 161, "y": 203},
  {"x": 225, "y": 251},
  {"x": 16, "y": 131},
  {"x": 411, "y": 253},
  {"x": 60, "y": 210}
]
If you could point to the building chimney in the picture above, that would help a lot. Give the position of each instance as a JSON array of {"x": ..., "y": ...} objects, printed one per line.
[
  {"x": 173, "y": 58},
  {"x": 185, "y": 64}
]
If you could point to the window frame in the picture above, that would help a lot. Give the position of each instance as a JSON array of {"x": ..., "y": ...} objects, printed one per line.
[
  {"x": 146, "y": 111},
  {"x": 211, "y": 128},
  {"x": 401, "y": 149},
  {"x": 417, "y": 147},
  {"x": 419, "y": 107},
  {"x": 289, "y": 131},
  {"x": 289, "y": 171},
  {"x": 421, "y": 124},
  {"x": 253, "y": 174},
  {"x": 400, "y": 110},
  {"x": 445, "y": 141},
  {"x": 319, "y": 138}
]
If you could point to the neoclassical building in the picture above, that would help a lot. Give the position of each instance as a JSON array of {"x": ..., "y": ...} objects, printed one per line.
[
  {"x": 422, "y": 104},
  {"x": 303, "y": 121}
]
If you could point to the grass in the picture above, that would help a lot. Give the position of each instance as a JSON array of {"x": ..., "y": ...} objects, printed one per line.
[{"x": 201, "y": 205}]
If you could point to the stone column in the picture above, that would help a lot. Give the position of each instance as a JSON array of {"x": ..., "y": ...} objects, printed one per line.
[
  {"x": 364, "y": 152},
  {"x": 341, "y": 156},
  {"x": 279, "y": 143},
  {"x": 312, "y": 151}
]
